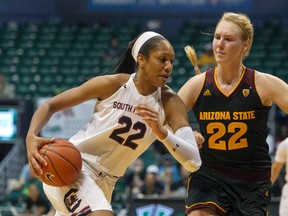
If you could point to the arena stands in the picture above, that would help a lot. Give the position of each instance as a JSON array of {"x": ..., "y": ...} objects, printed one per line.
[{"x": 43, "y": 59}]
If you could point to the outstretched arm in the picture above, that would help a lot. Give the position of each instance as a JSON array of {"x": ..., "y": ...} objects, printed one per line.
[
  {"x": 275, "y": 171},
  {"x": 181, "y": 144},
  {"x": 279, "y": 160},
  {"x": 183, "y": 147},
  {"x": 99, "y": 87}
]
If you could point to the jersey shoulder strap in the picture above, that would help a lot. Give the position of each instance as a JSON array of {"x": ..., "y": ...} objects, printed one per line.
[
  {"x": 249, "y": 77},
  {"x": 209, "y": 76}
]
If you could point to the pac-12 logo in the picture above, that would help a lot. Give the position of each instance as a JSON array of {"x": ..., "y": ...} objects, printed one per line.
[
  {"x": 245, "y": 92},
  {"x": 154, "y": 210}
]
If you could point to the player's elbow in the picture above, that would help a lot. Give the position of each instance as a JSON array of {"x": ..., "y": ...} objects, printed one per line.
[{"x": 192, "y": 166}]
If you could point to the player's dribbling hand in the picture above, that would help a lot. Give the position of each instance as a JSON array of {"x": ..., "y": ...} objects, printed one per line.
[{"x": 33, "y": 144}]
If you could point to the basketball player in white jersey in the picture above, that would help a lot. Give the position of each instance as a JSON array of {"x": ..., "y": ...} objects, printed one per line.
[
  {"x": 132, "y": 110},
  {"x": 280, "y": 161}
]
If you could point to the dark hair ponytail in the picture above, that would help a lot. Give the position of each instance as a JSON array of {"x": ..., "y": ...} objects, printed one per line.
[{"x": 126, "y": 63}]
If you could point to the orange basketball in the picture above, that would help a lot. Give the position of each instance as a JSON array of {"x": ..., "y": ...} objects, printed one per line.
[{"x": 63, "y": 163}]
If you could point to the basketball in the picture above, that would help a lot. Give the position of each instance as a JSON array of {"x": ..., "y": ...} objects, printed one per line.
[{"x": 63, "y": 163}]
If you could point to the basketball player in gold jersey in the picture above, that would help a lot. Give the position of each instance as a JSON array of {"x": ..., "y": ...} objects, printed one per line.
[{"x": 231, "y": 103}]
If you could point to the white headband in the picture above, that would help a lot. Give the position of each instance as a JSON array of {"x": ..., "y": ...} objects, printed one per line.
[{"x": 140, "y": 41}]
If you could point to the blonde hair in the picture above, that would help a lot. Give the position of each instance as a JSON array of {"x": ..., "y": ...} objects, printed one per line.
[{"x": 243, "y": 21}]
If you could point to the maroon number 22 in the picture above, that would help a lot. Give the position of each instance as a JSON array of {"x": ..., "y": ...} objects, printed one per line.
[{"x": 127, "y": 125}]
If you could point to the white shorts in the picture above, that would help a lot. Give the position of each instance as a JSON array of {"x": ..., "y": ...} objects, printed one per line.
[
  {"x": 91, "y": 192},
  {"x": 283, "y": 209}
]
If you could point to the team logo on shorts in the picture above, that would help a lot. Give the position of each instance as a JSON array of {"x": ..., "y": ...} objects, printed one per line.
[
  {"x": 267, "y": 193},
  {"x": 71, "y": 200}
]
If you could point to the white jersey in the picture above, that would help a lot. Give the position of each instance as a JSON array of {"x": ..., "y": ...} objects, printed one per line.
[
  {"x": 282, "y": 155},
  {"x": 115, "y": 136}
]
